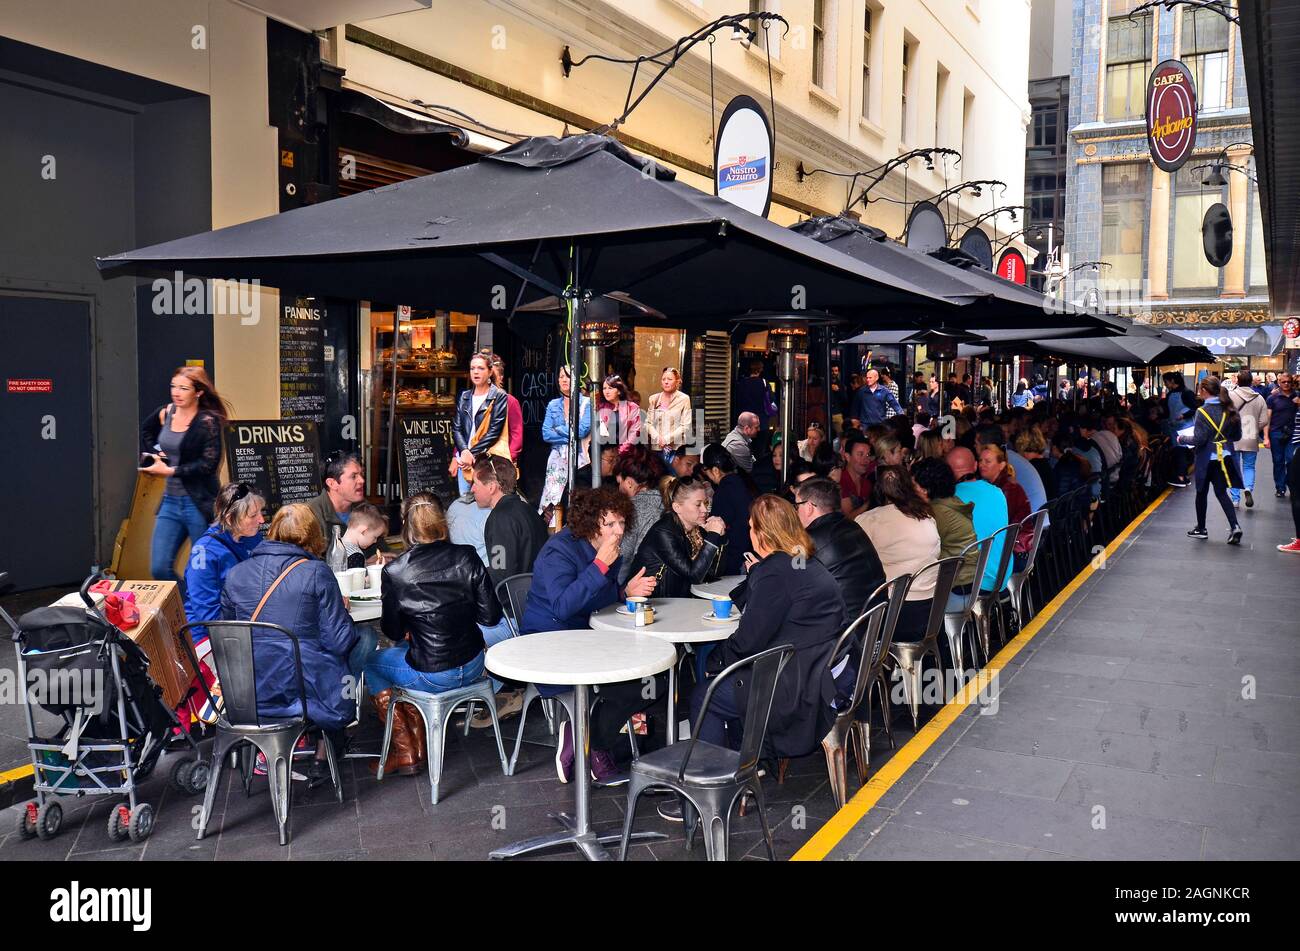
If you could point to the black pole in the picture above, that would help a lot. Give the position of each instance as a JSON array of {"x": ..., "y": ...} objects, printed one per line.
[
  {"x": 392, "y": 419},
  {"x": 576, "y": 311}
]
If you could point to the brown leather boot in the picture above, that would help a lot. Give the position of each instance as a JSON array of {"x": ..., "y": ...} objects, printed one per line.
[
  {"x": 403, "y": 757},
  {"x": 415, "y": 728}
]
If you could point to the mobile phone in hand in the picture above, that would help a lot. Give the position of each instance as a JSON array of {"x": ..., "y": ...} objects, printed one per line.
[{"x": 146, "y": 460}]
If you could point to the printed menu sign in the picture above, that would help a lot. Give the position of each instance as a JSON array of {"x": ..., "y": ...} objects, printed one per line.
[
  {"x": 424, "y": 451},
  {"x": 302, "y": 363},
  {"x": 280, "y": 459}
]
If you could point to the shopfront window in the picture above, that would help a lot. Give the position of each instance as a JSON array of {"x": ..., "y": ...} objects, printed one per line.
[
  {"x": 1128, "y": 56},
  {"x": 1258, "y": 263},
  {"x": 1192, "y": 272},
  {"x": 1123, "y": 229},
  {"x": 1205, "y": 51},
  {"x": 653, "y": 350}
]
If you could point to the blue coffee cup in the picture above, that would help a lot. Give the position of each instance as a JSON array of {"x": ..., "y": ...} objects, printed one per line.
[
  {"x": 633, "y": 602},
  {"x": 722, "y": 608}
]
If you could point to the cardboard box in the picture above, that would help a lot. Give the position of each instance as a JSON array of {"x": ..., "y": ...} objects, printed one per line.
[{"x": 162, "y": 614}]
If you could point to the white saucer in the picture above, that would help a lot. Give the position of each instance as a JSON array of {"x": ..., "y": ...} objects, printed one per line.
[
  {"x": 709, "y": 616},
  {"x": 622, "y": 609}
]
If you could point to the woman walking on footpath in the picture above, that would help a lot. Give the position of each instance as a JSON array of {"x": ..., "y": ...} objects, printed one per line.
[
  {"x": 1217, "y": 428},
  {"x": 181, "y": 442}
]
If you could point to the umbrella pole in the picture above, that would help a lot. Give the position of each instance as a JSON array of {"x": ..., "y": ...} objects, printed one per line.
[
  {"x": 392, "y": 420},
  {"x": 575, "y": 387}
]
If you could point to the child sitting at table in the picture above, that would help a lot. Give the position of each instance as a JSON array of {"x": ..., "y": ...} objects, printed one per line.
[{"x": 366, "y": 525}]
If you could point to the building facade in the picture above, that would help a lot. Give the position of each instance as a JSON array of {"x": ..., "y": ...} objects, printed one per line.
[
  {"x": 169, "y": 118},
  {"x": 1141, "y": 225}
]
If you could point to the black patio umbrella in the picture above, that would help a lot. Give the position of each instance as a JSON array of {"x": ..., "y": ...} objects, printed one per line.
[{"x": 580, "y": 211}]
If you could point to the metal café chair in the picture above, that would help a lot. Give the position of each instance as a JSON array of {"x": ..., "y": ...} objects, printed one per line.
[
  {"x": 863, "y": 635},
  {"x": 894, "y": 594},
  {"x": 712, "y": 778},
  {"x": 987, "y": 604},
  {"x": 910, "y": 655},
  {"x": 1021, "y": 597},
  {"x": 238, "y": 721},
  {"x": 956, "y": 622}
]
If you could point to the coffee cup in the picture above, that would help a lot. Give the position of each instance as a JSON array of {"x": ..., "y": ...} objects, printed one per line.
[
  {"x": 633, "y": 601},
  {"x": 374, "y": 573},
  {"x": 722, "y": 608},
  {"x": 358, "y": 576},
  {"x": 345, "y": 582}
]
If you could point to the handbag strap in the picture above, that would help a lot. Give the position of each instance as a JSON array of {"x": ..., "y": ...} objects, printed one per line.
[{"x": 275, "y": 584}]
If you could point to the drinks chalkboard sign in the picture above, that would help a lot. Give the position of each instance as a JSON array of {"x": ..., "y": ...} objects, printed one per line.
[
  {"x": 279, "y": 458},
  {"x": 424, "y": 451}
]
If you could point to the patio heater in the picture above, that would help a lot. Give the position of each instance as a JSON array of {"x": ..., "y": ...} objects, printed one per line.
[
  {"x": 785, "y": 341},
  {"x": 599, "y": 330},
  {"x": 941, "y": 346}
]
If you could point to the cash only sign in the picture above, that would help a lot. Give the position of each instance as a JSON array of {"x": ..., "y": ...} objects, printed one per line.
[{"x": 1171, "y": 115}]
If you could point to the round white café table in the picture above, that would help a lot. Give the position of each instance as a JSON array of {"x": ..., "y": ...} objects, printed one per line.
[
  {"x": 677, "y": 621},
  {"x": 721, "y": 588},
  {"x": 578, "y": 659}
]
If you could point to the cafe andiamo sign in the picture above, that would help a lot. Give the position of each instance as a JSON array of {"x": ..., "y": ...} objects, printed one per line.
[{"x": 1171, "y": 115}]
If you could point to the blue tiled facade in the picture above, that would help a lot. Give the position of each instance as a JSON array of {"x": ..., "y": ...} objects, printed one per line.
[{"x": 1092, "y": 143}]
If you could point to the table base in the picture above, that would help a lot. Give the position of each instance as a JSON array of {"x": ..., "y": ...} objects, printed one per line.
[{"x": 589, "y": 844}]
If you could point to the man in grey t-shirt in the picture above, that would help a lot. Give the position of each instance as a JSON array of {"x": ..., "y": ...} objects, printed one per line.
[{"x": 737, "y": 441}]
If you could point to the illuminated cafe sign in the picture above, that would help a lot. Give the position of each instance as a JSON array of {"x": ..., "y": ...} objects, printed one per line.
[{"x": 1171, "y": 115}]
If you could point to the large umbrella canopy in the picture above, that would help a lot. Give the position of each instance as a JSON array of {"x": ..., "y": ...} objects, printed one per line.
[
  {"x": 1158, "y": 349},
  {"x": 536, "y": 211},
  {"x": 994, "y": 303}
]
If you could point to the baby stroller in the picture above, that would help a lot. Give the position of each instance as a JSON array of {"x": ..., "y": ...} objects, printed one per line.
[{"x": 81, "y": 668}]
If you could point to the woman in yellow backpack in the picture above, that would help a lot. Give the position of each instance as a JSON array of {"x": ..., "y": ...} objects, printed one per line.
[{"x": 1217, "y": 428}]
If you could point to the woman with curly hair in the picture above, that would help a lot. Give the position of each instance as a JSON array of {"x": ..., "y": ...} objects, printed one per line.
[{"x": 575, "y": 574}]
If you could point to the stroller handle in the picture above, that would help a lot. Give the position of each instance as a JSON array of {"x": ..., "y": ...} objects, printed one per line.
[{"x": 96, "y": 575}]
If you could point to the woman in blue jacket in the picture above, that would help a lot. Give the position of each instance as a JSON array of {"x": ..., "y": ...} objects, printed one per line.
[
  {"x": 231, "y": 538},
  {"x": 555, "y": 430},
  {"x": 308, "y": 603},
  {"x": 576, "y": 573},
  {"x": 1217, "y": 428}
]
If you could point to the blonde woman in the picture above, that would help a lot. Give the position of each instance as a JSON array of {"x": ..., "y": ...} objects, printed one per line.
[
  {"x": 668, "y": 416},
  {"x": 792, "y": 599}
]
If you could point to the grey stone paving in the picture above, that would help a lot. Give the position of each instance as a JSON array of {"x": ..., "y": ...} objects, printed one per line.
[{"x": 1157, "y": 716}]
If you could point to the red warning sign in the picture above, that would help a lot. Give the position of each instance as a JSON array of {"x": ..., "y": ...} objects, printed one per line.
[{"x": 31, "y": 386}]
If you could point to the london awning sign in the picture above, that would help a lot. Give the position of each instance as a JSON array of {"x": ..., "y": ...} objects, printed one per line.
[{"x": 1171, "y": 115}]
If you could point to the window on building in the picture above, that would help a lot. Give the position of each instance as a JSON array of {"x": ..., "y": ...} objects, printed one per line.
[
  {"x": 940, "y": 106},
  {"x": 1205, "y": 51},
  {"x": 1042, "y": 207},
  {"x": 1258, "y": 263},
  {"x": 909, "y": 54},
  {"x": 1123, "y": 219},
  {"x": 866, "y": 61},
  {"x": 1045, "y": 120},
  {"x": 967, "y": 116},
  {"x": 1128, "y": 56},
  {"x": 819, "y": 42},
  {"x": 1192, "y": 272}
]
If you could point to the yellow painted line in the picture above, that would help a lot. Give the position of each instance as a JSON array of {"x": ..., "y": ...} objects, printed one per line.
[
  {"x": 13, "y": 775},
  {"x": 839, "y": 825}
]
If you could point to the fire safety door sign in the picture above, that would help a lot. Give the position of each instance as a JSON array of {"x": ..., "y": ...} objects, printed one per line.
[{"x": 29, "y": 385}]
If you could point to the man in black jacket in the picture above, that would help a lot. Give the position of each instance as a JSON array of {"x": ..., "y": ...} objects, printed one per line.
[
  {"x": 512, "y": 537},
  {"x": 839, "y": 544}
]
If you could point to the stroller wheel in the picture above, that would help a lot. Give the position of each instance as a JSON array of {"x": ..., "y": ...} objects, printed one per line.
[
  {"x": 141, "y": 823},
  {"x": 27, "y": 821},
  {"x": 190, "y": 776},
  {"x": 49, "y": 820},
  {"x": 119, "y": 818}
]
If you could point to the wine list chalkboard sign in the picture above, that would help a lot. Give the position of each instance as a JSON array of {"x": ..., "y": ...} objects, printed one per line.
[
  {"x": 424, "y": 451},
  {"x": 278, "y": 458}
]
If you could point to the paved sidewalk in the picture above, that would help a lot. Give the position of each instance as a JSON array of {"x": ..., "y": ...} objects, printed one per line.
[{"x": 1156, "y": 716}]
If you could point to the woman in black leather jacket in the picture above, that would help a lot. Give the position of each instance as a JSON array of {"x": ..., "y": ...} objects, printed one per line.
[
  {"x": 435, "y": 596},
  {"x": 685, "y": 546}
]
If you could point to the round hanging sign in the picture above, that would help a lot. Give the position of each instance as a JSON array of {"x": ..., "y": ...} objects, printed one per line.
[
  {"x": 1011, "y": 266},
  {"x": 926, "y": 229},
  {"x": 1291, "y": 328},
  {"x": 742, "y": 156},
  {"x": 977, "y": 244},
  {"x": 1216, "y": 234},
  {"x": 1171, "y": 115}
]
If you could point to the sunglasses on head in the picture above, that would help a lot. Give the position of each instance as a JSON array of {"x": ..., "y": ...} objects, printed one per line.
[{"x": 242, "y": 491}]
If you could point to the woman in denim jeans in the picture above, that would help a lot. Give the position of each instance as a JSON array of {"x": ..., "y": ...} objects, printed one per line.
[
  {"x": 435, "y": 596},
  {"x": 181, "y": 442}
]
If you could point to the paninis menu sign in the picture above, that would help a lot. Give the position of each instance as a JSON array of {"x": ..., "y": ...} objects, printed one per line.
[{"x": 1171, "y": 115}]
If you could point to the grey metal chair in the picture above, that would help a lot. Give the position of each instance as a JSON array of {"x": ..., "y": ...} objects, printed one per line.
[
  {"x": 712, "y": 778},
  {"x": 874, "y": 681},
  {"x": 862, "y": 635},
  {"x": 238, "y": 721},
  {"x": 910, "y": 655},
  {"x": 436, "y": 710},
  {"x": 512, "y": 592},
  {"x": 1021, "y": 596},
  {"x": 955, "y": 623},
  {"x": 988, "y": 602}
]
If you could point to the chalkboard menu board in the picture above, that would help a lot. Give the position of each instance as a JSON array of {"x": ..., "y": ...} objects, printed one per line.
[
  {"x": 424, "y": 451},
  {"x": 302, "y": 363},
  {"x": 535, "y": 386},
  {"x": 279, "y": 458}
]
